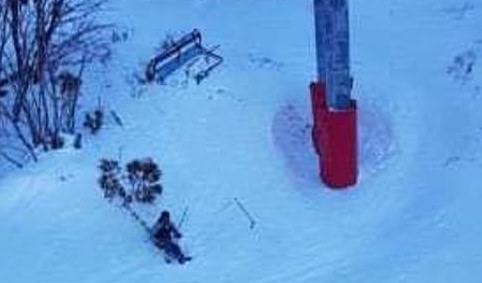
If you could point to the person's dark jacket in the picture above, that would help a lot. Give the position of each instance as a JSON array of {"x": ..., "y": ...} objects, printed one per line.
[{"x": 163, "y": 231}]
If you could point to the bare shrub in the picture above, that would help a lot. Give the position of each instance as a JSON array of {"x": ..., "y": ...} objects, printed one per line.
[{"x": 44, "y": 48}]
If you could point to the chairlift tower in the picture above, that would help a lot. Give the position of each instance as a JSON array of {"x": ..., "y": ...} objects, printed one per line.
[{"x": 334, "y": 111}]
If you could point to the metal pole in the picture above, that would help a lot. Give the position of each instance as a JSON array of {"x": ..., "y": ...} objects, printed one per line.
[
  {"x": 334, "y": 112},
  {"x": 333, "y": 51},
  {"x": 321, "y": 14}
]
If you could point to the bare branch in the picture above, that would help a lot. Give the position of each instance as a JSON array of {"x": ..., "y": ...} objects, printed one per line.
[{"x": 38, "y": 40}]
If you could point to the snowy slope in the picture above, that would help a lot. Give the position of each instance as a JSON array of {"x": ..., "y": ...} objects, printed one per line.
[{"x": 244, "y": 133}]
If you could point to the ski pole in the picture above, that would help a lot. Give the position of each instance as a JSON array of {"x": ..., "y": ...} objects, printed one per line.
[
  {"x": 252, "y": 222},
  {"x": 183, "y": 217}
]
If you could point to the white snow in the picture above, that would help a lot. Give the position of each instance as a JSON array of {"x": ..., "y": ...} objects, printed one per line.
[{"x": 244, "y": 133}]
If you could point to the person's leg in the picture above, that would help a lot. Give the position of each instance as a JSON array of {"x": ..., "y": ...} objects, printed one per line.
[{"x": 174, "y": 251}]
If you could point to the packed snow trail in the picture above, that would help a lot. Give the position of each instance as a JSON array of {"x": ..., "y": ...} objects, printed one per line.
[{"x": 244, "y": 134}]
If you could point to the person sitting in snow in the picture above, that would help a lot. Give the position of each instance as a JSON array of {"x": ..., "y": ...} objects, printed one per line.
[{"x": 162, "y": 235}]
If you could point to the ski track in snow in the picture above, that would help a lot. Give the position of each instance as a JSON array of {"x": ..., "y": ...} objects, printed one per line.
[{"x": 245, "y": 133}]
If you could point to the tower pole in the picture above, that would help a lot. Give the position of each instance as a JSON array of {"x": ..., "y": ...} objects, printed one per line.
[{"x": 334, "y": 111}]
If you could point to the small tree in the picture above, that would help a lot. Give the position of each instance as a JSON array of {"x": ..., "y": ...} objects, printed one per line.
[
  {"x": 144, "y": 176},
  {"x": 44, "y": 47},
  {"x": 109, "y": 180},
  {"x": 139, "y": 182},
  {"x": 94, "y": 121}
]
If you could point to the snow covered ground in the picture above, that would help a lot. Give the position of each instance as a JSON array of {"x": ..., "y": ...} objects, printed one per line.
[{"x": 244, "y": 133}]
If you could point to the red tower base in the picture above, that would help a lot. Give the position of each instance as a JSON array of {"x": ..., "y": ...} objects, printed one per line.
[{"x": 335, "y": 140}]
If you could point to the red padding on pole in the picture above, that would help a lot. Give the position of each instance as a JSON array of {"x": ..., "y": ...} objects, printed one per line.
[{"x": 335, "y": 140}]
